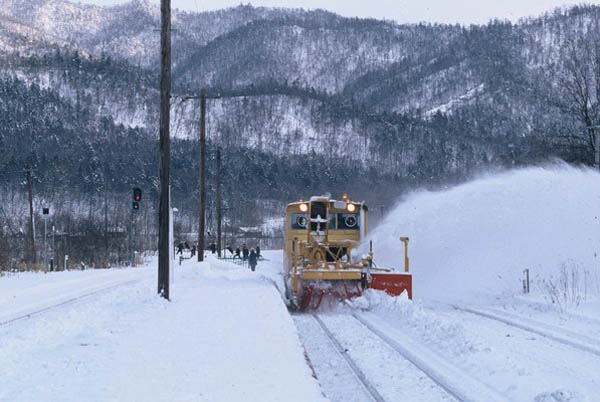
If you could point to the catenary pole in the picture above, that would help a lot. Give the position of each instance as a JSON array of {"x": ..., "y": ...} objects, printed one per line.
[
  {"x": 202, "y": 217},
  {"x": 165, "y": 91}
]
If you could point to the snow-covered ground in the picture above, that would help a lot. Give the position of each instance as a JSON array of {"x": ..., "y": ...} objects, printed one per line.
[
  {"x": 469, "y": 335},
  {"x": 224, "y": 336}
]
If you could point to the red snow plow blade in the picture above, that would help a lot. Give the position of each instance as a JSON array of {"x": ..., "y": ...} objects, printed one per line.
[{"x": 392, "y": 283}]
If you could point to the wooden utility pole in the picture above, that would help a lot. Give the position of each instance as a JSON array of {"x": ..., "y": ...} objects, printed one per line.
[
  {"x": 219, "y": 203},
  {"x": 202, "y": 217},
  {"x": 32, "y": 256},
  {"x": 165, "y": 105}
]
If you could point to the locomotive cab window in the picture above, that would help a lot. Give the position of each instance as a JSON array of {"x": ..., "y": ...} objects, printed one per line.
[
  {"x": 318, "y": 211},
  {"x": 348, "y": 221},
  {"x": 299, "y": 221}
]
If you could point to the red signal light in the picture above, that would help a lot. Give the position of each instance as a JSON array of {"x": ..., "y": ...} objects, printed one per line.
[{"x": 137, "y": 194}]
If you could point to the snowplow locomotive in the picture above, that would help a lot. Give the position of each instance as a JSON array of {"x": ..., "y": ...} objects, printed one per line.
[{"x": 320, "y": 237}]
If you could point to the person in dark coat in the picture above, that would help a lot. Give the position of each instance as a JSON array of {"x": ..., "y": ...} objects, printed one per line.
[
  {"x": 237, "y": 253},
  {"x": 245, "y": 252},
  {"x": 179, "y": 248},
  {"x": 252, "y": 259},
  {"x": 213, "y": 248},
  {"x": 193, "y": 250},
  {"x": 257, "y": 251}
]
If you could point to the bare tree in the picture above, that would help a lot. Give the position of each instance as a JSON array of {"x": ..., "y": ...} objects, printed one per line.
[{"x": 579, "y": 83}]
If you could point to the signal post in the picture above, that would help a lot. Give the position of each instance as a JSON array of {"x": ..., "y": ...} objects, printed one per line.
[{"x": 135, "y": 206}]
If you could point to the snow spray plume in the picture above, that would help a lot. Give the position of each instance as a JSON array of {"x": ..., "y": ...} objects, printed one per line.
[{"x": 475, "y": 240}]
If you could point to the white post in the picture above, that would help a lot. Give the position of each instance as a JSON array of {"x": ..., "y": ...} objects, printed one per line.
[
  {"x": 597, "y": 147},
  {"x": 54, "y": 262},
  {"x": 171, "y": 241},
  {"x": 45, "y": 249}
]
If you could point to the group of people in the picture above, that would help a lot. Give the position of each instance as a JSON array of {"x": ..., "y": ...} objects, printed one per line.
[
  {"x": 185, "y": 246},
  {"x": 251, "y": 255}
]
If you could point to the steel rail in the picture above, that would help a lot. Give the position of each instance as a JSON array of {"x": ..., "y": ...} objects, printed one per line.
[
  {"x": 457, "y": 383},
  {"x": 566, "y": 338},
  {"x": 41, "y": 310},
  {"x": 344, "y": 353}
]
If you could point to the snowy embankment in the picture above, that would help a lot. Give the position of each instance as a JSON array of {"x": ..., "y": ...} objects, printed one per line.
[
  {"x": 473, "y": 242},
  {"x": 224, "y": 336}
]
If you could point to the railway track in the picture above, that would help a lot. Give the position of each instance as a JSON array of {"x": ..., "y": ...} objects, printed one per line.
[
  {"x": 22, "y": 315},
  {"x": 454, "y": 383},
  {"x": 368, "y": 387},
  {"x": 552, "y": 332}
]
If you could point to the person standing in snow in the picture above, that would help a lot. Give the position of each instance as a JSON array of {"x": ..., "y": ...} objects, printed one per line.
[
  {"x": 252, "y": 259},
  {"x": 257, "y": 251},
  {"x": 237, "y": 253},
  {"x": 245, "y": 252}
]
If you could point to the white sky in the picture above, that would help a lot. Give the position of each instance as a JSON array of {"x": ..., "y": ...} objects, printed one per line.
[{"x": 446, "y": 11}]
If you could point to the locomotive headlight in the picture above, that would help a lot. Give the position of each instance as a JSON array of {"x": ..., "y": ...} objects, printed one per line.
[
  {"x": 303, "y": 207},
  {"x": 351, "y": 207}
]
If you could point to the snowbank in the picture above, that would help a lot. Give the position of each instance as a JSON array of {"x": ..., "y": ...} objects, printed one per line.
[{"x": 473, "y": 241}]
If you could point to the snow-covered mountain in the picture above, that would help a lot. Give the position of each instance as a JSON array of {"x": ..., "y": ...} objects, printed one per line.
[{"x": 369, "y": 101}]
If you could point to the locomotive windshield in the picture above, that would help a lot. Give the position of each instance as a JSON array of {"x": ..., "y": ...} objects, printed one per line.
[
  {"x": 348, "y": 221},
  {"x": 299, "y": 221}
]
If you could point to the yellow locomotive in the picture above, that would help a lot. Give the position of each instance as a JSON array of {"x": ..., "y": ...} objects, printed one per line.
[{"x": 320, "y": 235}]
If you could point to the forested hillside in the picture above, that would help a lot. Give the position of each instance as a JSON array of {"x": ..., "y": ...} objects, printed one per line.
[{"x": 308, "y": 102}]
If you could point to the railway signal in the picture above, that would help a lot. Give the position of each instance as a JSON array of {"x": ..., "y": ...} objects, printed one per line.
[
  {"x": 137, "y": 197},
  {"x": 135, "y": 206}
]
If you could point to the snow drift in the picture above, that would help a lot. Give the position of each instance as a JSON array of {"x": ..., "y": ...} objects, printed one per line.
[{"x": 474, "y": 241}]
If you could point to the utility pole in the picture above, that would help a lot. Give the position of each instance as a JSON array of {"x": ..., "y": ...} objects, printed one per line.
[
  {"x": 164, "y": 260},
  {"x": 31, "y": 234},
  {"x": 202, "y": 228},
  {"x": 219, "y": 203}
]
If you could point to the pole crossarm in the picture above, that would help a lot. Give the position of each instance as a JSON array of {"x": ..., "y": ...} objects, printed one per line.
[{"x": 233, "y": 94}]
